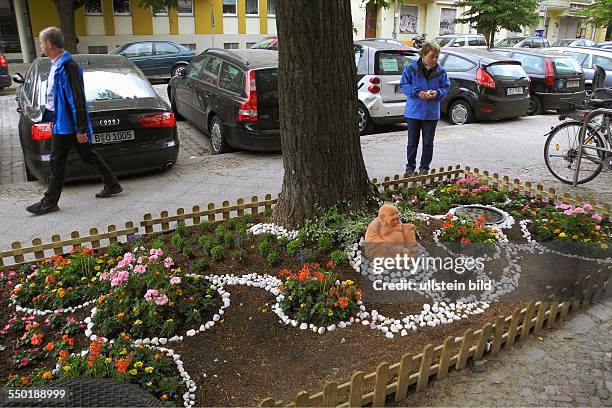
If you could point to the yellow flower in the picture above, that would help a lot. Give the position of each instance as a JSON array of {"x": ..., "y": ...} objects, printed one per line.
[
  {"x": 138, "y": 364},
  {"x": 94, "y": 279},
  {"x": 148, "y": 370},
  {"x": 562, "y": 235},
  {"x": 32, "y": 284},
  {"x": 133, "y": 371},
  {"x": 574, "y": 236},
  {"x": 603, "y": 246},
  {"x": 303, "y": 305},
  {"x": 67, "y": 368},
  {"x": 556, "y": 231},
  {"x": 107, "y": 360},
  {"x": 124, "y": 351},
  {"x": 138, "y": 322},
  {"x": 83, "y": 278},
  {"x": 348, "y": 282},
  {"x": 97, "y": 267},
  {"x": 149, "y": 384},
  {"x": 135, "y": 309},
  {"x": 330, "y": 312},
  {"x": 290, "y": 297}
]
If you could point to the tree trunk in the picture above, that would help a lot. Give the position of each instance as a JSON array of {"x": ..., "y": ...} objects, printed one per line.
[
  {"x": 318, "y": 110},
  {"x": 66, "y": 9}
]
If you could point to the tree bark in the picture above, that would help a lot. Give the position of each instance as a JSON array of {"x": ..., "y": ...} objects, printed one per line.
[
  {"x": 66, "y": 9},
  {"x": 318, "y": 110}
]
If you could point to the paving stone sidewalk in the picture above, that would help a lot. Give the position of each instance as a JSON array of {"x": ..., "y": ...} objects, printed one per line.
[{"x": 567, "y": 367}]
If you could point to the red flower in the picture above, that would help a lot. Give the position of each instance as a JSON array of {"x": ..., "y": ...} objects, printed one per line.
[
  {"x": 330, "y": 265},
  {"x": 50, "y": 346},
  {"x": 36, "y": 339},
  {"x": 63, "y": 355},
  {"x": 343, "y": 302},
  {"x": 465, "y": 240},
  {"x": 122, "y": 364}
]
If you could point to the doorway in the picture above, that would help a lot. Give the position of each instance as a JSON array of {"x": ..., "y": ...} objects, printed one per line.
[{"x": 371, "y": 19}]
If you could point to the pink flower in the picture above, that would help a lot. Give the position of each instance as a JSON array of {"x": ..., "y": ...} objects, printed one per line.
[
  {"x": 568, "y": 212},
  {"x": 140, "y": 269},
  {"x": 484, "y": 188},
  {"x": 597, "y": 217},
  {"x": 175, "y": 280},
  {"x": 155, "y": 253},
  {"x": 151, "y": 293},
  {"x": 161, "y": 300},
  {"x": 587, "y": 207},
  {"x": 24, "y": 362},
  {"x": 140, "y": 259},
  {"x": 168, "y": 262},
  {"x": 578, "y": 210},
  {"x": 597, "y": 227},
  {"x": 563, "y": 207},
  {"x": 12, "y": 274},
  {"x": 120, "y": 278},
  {"x": 475, "y": 190}
]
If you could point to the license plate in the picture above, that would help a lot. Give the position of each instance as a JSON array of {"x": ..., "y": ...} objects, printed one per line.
[
  {"x": 514, "y": 91},
  {"x": 573, "y": 84},
  {"x": 113, "y": 137}
]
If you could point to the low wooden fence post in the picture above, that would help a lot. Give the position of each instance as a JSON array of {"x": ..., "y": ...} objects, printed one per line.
[
  {"x": 464, "y": 350},
  {"x": 527, "y": 321},
  {"x": 445, "y": 357},
  {"x": 552, "y": 314},
  {"x": 356, "y": 390},
  {"x": 513, "y": 326},
  {"x": 380, "y": 385},
  {"x": 540, "y": 316},
  {"x": 498, "y": 335},
  {"x": 481, "y": 347},
  {"x": 403, "y": 376},
  {"x": 425, "y": 368},
  {"x": 330, "y": 394}
]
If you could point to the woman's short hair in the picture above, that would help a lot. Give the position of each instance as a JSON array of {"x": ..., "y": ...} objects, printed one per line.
[
  {"x": 54, "y": 35},
  {"x": 430, "y": 46}
]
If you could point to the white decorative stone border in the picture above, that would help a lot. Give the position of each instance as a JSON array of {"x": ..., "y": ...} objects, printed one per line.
[
  {"x": 188, "y": 396},
  {"x": 273, "y": 229}
]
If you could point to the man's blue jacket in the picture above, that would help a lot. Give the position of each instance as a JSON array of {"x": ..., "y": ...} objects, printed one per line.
[
  {"x": 71, "y": 115},
  {"x": 416, "y": 78}
]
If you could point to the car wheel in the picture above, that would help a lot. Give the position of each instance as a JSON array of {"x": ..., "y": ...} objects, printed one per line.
[
  {"x": 177, "y": 115},
  {"x": 363, "y": 120},
  {"x": 460, "y": 113},
  {"x": 178, "y": 69},
  {"x": 535, "y": 105},
  {"x": 217, "y": 138}
]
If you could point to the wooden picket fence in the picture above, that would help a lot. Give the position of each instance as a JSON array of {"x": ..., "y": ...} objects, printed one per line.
[
  {"x": 414, "y": 372},
  {"x": 22, "y": 253}
]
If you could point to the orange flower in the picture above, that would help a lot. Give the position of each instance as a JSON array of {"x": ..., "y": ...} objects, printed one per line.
[
  {"x": 330, "y": 265},
  {"x": 164, "y": 397},
  {"x": 95, "y": 348},
  {"x": 36, "y": 339},
  {"x": 25, "y": 380},
  {"x": 465, "y": 240},
  {"x": 63, "y": 355},
  {"x": 319, "y": 276},
  {"x": 122, "y": 364},
  {"x": 121, "y": 315},
  {"x": 47, "y": 375},
  {"x": 50, "y": 279},
  {"x": 281, "y": 287},
  {"x": 343, "y": 302},
  {"x": 61, "y": 293},
  {"x": 50, "y": 346},
  {"x": 481, "y": 218},
  {"x": 102, "y": 300},
  {"x": 68, "y": 340},
  {"x": 87, "y": 251}
]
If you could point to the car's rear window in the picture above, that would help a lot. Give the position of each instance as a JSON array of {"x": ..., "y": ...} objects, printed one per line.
[
  {"x": 267, "y": 82},
  {"x": 392, "y": 62},
  {"x": 112, "y": 85},
  {"x": 264, "y": 44},
  {"x": 442, "y": 41},
  {"x": 506, "y": 71},
  {"x": 566, "y": 66}
]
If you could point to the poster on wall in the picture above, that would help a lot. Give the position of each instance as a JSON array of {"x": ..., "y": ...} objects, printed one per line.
[
  {"x": 409, "y": 19},
  {"x": 447, "y": 20}
]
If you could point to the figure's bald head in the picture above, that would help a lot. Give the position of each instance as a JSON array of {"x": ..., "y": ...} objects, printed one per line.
[{"x": 388, "y": 214}]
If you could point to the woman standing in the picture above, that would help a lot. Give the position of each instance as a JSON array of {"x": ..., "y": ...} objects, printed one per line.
[{"x": 425, "y": 84}]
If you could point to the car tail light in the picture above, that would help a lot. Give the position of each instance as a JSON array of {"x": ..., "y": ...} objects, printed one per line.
[
  {"x": 3, "y": 63},
  {"x": 375, "y": 80},
  {"x": 248, "y": 109},
  {"x": 484, "y": 79},
  {"x": 42, "y": 131},
  {"x": 159, "y": 120},
  {"x": 374, "y": 88},
  {"x": 549, "y": 70}
]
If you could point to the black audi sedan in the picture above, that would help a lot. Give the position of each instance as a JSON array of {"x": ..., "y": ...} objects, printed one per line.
[
  {"x": 134, "y": 129},
  {"x": 157, "y": 59},
  {"x": 484, "y": 86},
  {"x": 231, "y": 95}
]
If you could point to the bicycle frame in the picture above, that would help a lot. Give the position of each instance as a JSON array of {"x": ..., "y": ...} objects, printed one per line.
[{"x": 582, "y": 135}]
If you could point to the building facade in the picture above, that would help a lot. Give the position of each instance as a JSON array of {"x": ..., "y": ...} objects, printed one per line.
[{"x": 103, "y": 25}]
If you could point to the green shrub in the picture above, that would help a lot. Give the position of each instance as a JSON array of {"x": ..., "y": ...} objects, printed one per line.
[
  {"x": 324, "y": 243},
  {"x": 264, "y": 247},
  {"x": 220, "y": 234},
  {"x": 239, "y": 255},
  {"x": 216, "y": 253},
  {"x": 272, "y": 258},
  {"x": 282, "y": 241},
  {"x": 437, "y": 207},
  {"x": 115, "y": 249},
  {"x": 229, "y": 241},
  {"x": 187, "y": 250},
  {"x": 200, "y": 265},
  {"x": 181, "y": 229},
  {"x": 338, "y": 257},
  {"x": 307, "y": 255},
  {"x": 246, "y": 218},
  {"x": 205, "y": 226},
  {"x": 207, "y": 243},
  {"x": 232, "y": 223},
  {"x": 177, "y": 240},
  {"x": 294, "y": 246},
  {"x": 268, "y": 212},
  {"x": 158, "y": 242}
]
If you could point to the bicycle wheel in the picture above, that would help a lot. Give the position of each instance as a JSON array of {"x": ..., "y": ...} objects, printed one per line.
[{"x": 561, "y": 153}]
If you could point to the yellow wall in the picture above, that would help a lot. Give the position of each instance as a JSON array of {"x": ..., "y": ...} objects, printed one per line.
[
  {"x": 263, "y": 16},
  {"x": 201, "y": 15},
  {"x": 79, "y": 22},
  {"x": 142, "y": 19},
  {"x": 241, "y": 16},
  {"x": 42, "y": 14},
  {"x": 173, "y": 17},
  {"x": 109, "y": 19}
]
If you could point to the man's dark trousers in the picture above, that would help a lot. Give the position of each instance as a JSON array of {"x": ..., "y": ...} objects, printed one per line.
[
  {"x": 415, "y": 128},
  {"x": 61, "y": 146}
]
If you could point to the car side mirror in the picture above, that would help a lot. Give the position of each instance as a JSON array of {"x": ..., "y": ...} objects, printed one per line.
[{"x": 18, "y": 78}]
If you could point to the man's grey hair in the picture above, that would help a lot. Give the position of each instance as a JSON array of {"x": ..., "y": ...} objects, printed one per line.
[{"x": 54, "y": 35}]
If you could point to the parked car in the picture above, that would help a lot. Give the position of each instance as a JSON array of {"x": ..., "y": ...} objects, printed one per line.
[
  {"x": 588, "y": 57},
  {"x": 574, "y": 42},
  {"x": 5, "y": 78},
  {"x": 523, "y": 42},
  {"x": 268, "y": 43},
  {"x": 607, "y": 45},
  {"x": 134, "y": 129},
  {"x": 386, "y": 40},
  {"x": 461, "y": 40},
  {"x": 232, "y": 95},
  {"x": 484, "y": 86},
  {"x": 379, "y": 69},
  {"x": 553, "y": 77},
  {"x": 157, "y": 59}
]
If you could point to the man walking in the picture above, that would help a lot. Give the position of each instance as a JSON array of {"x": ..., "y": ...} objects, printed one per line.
[{"x": 66, "y": 107}]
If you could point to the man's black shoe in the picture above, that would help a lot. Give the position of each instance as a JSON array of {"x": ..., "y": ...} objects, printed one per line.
[
  {"x": 41, "y": 208},
  {"x": 108, "y": 191}
]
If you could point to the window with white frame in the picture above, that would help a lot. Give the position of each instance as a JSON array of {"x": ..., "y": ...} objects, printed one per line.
[
  {"x": 185, "y": 7},
  {"x": 229, "y": 7},
  {"x": 121, "y": 7},
  {"x": 252, "y": 7},
  {"x": 159, "y": 10},
  {"x": 272, "y": 7},
  {"x": 93, "y": 8}
]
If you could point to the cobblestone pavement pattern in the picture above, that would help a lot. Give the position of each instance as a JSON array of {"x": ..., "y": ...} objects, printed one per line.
[{"x": 570, "y": 366}]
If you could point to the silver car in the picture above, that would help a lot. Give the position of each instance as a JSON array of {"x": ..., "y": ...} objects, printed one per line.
[
  {"x": 588, "y": 57},
  {"x": 461, "y": 40},
  {"x": 379, "y": 69}
]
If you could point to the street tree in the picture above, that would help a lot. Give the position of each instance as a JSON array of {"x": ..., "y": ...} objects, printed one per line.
[
  {"x": 66, "y": 10},
  {"x": 489, "y": 16},
  {"x": 318, "y": 110},
  {"x": 599, "y": 13}
]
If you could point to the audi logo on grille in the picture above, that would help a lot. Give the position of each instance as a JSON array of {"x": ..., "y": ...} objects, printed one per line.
[{"x": 109, "y": 122}]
